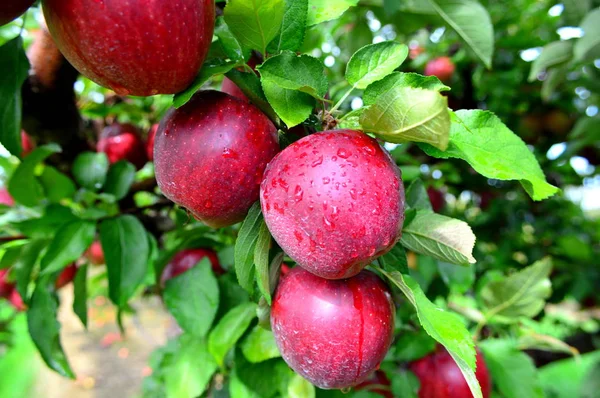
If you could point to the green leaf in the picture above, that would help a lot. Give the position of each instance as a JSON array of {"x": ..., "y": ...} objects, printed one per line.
[
  {"x": 89, "y": 170},
  {"x": 290, "y": 71},
  {"x": 417, "y": 197},
  {"x": 482, "y": 140},
  {"x": 555, "y": 77},
  {"x": 405, "y": 384},
  {"x": 265, "y": 378},
  {"x": 229, "y": 329},
  {"x": 127, "y": 259},
  {"x": 193, "y": 298},
  {"x": 591, "y": 384},
  {"x": 54, "y": 217},
  {"x": 293, "y": 27},
  {"x": 409, "y": 114},
  {"x": 190, "y": 369},
  {"x": 395, "y": 260},
  {"x": 326, "y": 10},
  {"x": 521, "y": 294},
  {"x": 300, "y": 388},
  {"x": 210, "y": 68},
  {"x": 15, "y": 68},
  {"x": 513, "y": 372},
  {"x": 24, "y": 186},
  {"x": 565, "y": 378},
  {"x": 44, "y": 330},
  {"x": 24, "y": 264},
  {"x": 69, "y": 243},
  {"x": 261, "y": 261},
  {"x": 230, "y": 44},
  {"x": 56, "y": 185},
  {"x": 255, "y": 22},
  {"x": 446, "y": 328},
  {"x": 244, "y": 247},
  {"x": 80, "y": 294},
  {"x": 552, "y": 54},
  {"x": 119, "y": 179},
  {"x": 374, "y": 62},
  {"x": 401, "y": 79},
  {"x": 472, "y": 23},
  {"x": 575, "y": 10},
  {"x": 587, "y": 48},
  {"x": 440, "y": 237},
  {"x": 412, "y": 345},
  {"x": 250, "y": 85},
  {"x": 260, "y": 345},
  {"x": 293, "y": 107},
  {"x": 351, "y": 120},
  {"x": 237, "y": 389},
  {"x": 458, "y": 279}
]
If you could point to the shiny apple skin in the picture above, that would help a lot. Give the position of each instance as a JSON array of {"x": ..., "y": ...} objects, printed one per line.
[
  {"x": 442, "y": 67},
  {"x": 186, "y": 259},
  {"x": 66, "y": 276},
  {"x": 122, "y": 142},
  {"x": 95, "y": 253},
  {"x": 134, "y": 47},
  {"x": 210, "y": 155},
  {"x": 150, "y": 142},
  {"x": 334, "y": 333},
  {"x": 334, "y": 201}
]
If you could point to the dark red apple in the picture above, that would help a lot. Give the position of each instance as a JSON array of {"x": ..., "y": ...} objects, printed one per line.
[
  {"x": 334, "y": 201},
  {"x": 210, "y": 155},
  {"x": 122, "y": 142},
  {"x": 440, "y": 377},
  {"x": 5, "y": 198},
  {"x": 6, "y": 287},
  {"x": 378, "y": 383},
  {"x": 186, "y": 259},
  {"x": 442, "y": 67},
  {"x": 231, "y": 88},
  {"x": 66, "y": 276},
  {"x": 16, "y": 300},
  {"x": 133, "y": 47},
  {"x": 436, "y": 197},
  {"x": 27, "y": 144},
  {"x": 95, "y": 254},
  {"x": 334, "y": 333},
  {"x": 150, "y": 142},
  {"x": 11, "y": 9}
]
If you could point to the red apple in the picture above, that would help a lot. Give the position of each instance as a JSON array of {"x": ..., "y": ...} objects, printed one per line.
[
  {"x": 378, "y": 383},
  {"x": 442, "y": 67},
  {"x": 6, "y": 287},
  {"x": 231, "y": 88},
  {"x": 440, "y": 377},
  {"x": 150, "y": 142},
  {"x": 436, "y": 197},
  {"x": 27, "y": 144},
  {"x": 122, "y": 142},
  {"x": 334, "y": 333},
  {"x": 95, "y": 254},
  {"x": 334, "y": 201},
  {"x": 186, "y": 259},
  {"x": 11, "y": 9},
  {"x": 134, "y": 47},
  {"x": 5, "y": 198},
  {"x": 210, "y": 155},
  {"x": 66, "y": 276},
  {"x": 16, "y": 300}
]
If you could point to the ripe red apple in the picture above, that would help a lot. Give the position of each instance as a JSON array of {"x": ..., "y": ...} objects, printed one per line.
[
  {"x": 186, "y": 259},
  {"x": 436, "y": 197},
  {"x": 27, "y": 144},
  {"x": 11, "y": 9},
  {"x": 334, "y": 201},
  {"x": 210, "y": 155},
  {"x": 5, "y": 198},
  {"x": 231, "y": 88},
  {"x": 334, "y": 333},
  {"x": 66, "y": 276},
  {"x": 16, "y": 300},
  {"x": 150, "y": 142},
  {"x": 442, "y": 67},
  {"x": 122, "y": 142},
  {"x": 6, "y": 287},
  {"x": 95, "y": 254},
  {"x": 378, "y": 383},
  {"x": 440, "y": 377},
  {"x": 134, "y": 47}
]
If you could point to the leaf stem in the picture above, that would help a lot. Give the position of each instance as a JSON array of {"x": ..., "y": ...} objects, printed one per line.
[{"x": 341, "y": 101}]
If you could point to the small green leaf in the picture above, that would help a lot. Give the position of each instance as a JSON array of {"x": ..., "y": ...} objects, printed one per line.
[
  {"x": 374, "y": 62},
  {"x": 250, "y": 85},
  {"x": 46, "y": 226},
  {"x": 190, "y": 294},
  {"x": 261, "y": 261},
  {"x": 552, "y": 54},
  {"x": 80, "y": 294},
  {"x": 254, "y": 22},
  {"x": 89, "y": 170},
  {"x": 24, "y": 264},
  {"x": 293, "y": 27},
  {"x": 293, "y": 107},
  {"x": 565, "y": 378},
  {"x": 440, "y": 237},
  {"x": 588, "y": 47},
  {"x": 395, "y": 260},
  {"x": 401, "y": 79},
  {"x": 473, "y": 24},
  {"x": 260, "y": 345},
  {"x": 24, "y": 186},
  {"x": 417, "y": 197},
  {"x": 244, "y": 247},
  {"x": 127, "y": 259},
  {"x": 409, "y": 114},
  {"x": 229, "y": 329},
  {"x": 15, "y": 68},
  {"x": 445, "y": 327},
  {"x": 56, "y": 185},
  {"x": 290, "y": 71},
  {"x": 230, "y": 44},
  {"x": 69, "y": 243},
  {"x": 45, "y": 330},
  {"x": 482, "y": 140},
  {"x": 210, "y": 68},
  {"x": 299, "y": 387},
  {"x": 119, "y": 179},
  {"x": 521, "y": 294},
  {"x": 326, "y": 10}
]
